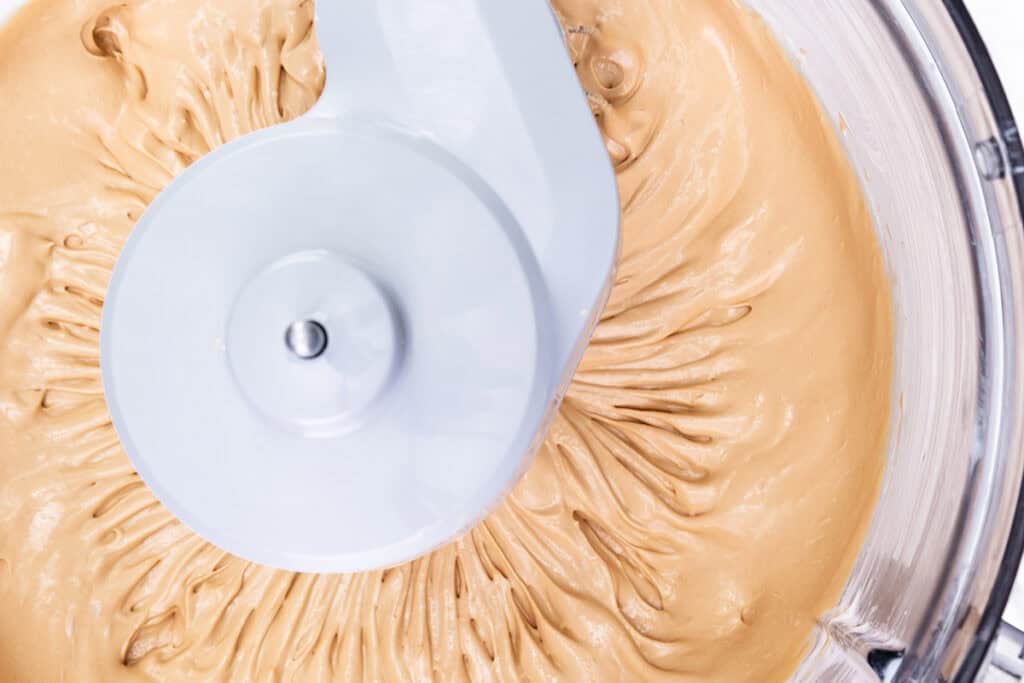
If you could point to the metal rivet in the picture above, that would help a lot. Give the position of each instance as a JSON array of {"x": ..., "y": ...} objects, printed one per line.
[{"x": 307, "y": 339}]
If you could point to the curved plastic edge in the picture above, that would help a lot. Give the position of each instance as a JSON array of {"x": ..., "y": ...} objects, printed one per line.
[{"x": 988, "y": 627}]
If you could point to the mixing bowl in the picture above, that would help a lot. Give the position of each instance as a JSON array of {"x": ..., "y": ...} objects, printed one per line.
[{"x": 927, "y": 126}]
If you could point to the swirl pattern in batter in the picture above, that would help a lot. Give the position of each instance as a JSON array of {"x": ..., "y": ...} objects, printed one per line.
[{"x": 701, "y": 496}]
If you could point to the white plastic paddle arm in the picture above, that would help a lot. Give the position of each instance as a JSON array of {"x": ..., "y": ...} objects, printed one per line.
[{"x": 369, "y": 45}]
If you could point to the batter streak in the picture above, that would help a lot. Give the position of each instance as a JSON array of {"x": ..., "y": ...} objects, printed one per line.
[{"x": 701, "y": 496}]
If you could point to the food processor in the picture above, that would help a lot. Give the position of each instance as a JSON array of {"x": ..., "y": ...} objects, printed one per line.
[{"x": 928, "y": 130}]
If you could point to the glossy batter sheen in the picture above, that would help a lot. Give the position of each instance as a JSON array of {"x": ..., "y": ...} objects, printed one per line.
[{"x": 701, "y": 496}]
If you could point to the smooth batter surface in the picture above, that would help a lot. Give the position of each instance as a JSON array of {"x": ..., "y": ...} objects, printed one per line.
[{"x": 701, "y": 496}]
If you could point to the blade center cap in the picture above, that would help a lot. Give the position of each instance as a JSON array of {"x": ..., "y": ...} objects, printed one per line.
[
  {"x": 307, "y": 339},
  {"x": 313, "y": 341}
]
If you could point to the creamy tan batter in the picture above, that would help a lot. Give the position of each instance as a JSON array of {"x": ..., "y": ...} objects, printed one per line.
[{"x": 701, "y": 496}]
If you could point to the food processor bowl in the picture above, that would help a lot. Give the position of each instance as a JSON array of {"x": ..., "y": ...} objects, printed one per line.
[{"x": 929, "y": 132}]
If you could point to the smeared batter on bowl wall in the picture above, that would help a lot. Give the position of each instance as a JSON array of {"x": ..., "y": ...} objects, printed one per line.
[{"x": 698, "y": 502}]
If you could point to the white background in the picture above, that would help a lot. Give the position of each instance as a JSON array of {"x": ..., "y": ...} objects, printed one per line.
[{"x": 1001, "y": 23}]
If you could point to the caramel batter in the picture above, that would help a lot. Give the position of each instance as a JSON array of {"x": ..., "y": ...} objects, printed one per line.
[{"x": 701, "y": 496}]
